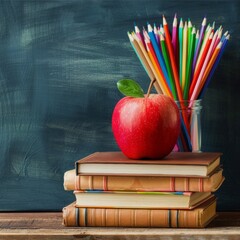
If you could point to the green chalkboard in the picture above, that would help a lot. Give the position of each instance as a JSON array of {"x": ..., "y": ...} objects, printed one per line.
[{"x": 59, "y": 64}]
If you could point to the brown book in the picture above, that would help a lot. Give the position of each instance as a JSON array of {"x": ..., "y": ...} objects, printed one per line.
[
  {"x": 143, "y": 183},
  {"x": 175, "y": 164},
  {"x": 123, "y": 199},
  {"x": 109, "y": 217}
]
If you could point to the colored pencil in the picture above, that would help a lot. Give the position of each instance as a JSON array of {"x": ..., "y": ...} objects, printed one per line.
[
  {"x": 161, "y": 30},
  {"x": 140, "y": 53},
  {"x": 174, "y": 68},
  {"x": 148, "y": 63},
  {"x": 158, "y": 54},
  {"x": 153, "y": 57},
  {"x": 189, "y": 64},
  {"x": 196, "y": 41},
  {"x": 180, "y": 34},
  {"x": 197, "y": 71},
  {"x": 224, "y": 43},
  {"x": 209, "y": 68},
  {"x": 199, "y": 42},
  {"x": 205, "y": 40},
  {"x": 156, "y": 33},
  {"x": 185, "y": 54},
  {"x": 182, "y": 65},
  {"x": 189, "y": 33},
  {"x": 138, "y": 33},
  {"x": 172, "y": 59},
  {"x": 218, "y": 37},
  {"x": 168, "y": 65},
  {"x": 174, "y": 36},
  {"x": 205, "y": 62}
]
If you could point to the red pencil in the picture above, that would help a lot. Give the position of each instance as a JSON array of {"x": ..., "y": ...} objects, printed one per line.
[
  {"x": 175, "y": 69},
  {"x": 172, "y": 59}
]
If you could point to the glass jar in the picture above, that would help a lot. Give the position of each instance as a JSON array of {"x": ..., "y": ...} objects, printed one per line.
[{"x": 190, "y": 136}]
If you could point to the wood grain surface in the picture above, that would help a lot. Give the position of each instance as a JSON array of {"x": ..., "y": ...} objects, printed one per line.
[{"x": 47, "y": 225}]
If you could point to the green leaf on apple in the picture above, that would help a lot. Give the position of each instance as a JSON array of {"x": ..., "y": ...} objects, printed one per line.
[{"x": 129, "y": 87}]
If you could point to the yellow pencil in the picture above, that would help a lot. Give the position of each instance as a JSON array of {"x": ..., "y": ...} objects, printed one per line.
[{"x": 184, "y": 57}]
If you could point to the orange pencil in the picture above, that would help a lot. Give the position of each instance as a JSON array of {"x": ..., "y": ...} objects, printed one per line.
[{"x": 197, "y": 72}]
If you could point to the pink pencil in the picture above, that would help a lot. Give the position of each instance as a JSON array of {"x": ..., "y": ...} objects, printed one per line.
[
  {"x": 197, "y": 72},
  {"x": 208, "y": 56},
  {"x": 139, "y": 35},
  {"x": 174, "y": 36},
  {"x": 218, "y": 38}
]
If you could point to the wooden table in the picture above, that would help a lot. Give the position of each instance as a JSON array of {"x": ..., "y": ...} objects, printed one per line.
[{"x": 26, "y": 226}]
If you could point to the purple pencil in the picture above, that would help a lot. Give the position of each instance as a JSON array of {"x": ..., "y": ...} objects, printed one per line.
[{"x": 204, "y": 22}]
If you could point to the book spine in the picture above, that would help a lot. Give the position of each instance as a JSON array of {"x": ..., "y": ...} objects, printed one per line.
[
  {"x": 101, "y": 217},
  {"x": 140, "y": 183}
]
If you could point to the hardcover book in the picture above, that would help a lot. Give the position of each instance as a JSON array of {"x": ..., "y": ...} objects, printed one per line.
[
  {"x": 175, "y": 164},
  {"x": 209, "y": 183},
  {"x": 123, "y": 199},
  {"x": 112, "y": 217}
]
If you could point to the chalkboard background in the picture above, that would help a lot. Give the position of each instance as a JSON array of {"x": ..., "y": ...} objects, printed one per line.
[{"x": 59, "y": 64}]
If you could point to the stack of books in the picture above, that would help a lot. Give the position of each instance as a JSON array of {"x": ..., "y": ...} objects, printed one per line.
[{"x": 114, "y": 191}]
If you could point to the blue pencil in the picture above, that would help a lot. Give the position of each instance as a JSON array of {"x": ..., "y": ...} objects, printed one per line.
[{"x": 158, "y": 54}]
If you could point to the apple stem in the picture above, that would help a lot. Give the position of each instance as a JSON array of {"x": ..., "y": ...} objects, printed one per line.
[{"x": 150, "y": 86}]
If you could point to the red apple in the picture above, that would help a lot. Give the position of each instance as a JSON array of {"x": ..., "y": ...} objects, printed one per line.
[{"x": 146, "y": 127}]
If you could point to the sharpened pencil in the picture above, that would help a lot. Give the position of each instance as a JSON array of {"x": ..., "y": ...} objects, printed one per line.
[
  {"x": 197, "y": 72},
  {"x": 184, "y": 54},
  {"x": 224, "y": 43},
  {"x": 189, "y": 64},
  {"x": 168, "y": 65},
  {"x": 205, "y": 62},
  {"x": 160, "y": 76},
  {"x": 199, "y": 42},
  {"x": 158, "y": 54},
  {"x": 143, "y": 57},
  {"x": 180, "y": 33}
]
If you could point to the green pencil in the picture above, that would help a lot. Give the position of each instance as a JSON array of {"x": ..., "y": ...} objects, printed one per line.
[
  {"x": 189, "y": 63},
  {"x": 189, "y": 35},
  {"x": 168, "y": 65}
]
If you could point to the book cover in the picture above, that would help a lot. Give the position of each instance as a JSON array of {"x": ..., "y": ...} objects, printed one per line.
[
  {"x": 134, "y": 217},
  {"x": 123, "y": 199},
  {"x": 176, "y": 163},
  {"x": 143, "y": 183}
]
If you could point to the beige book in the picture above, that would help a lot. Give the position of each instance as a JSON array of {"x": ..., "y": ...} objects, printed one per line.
[
  {"x": 134, "y": 217},
  {"x": 143, "y": 183}
]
